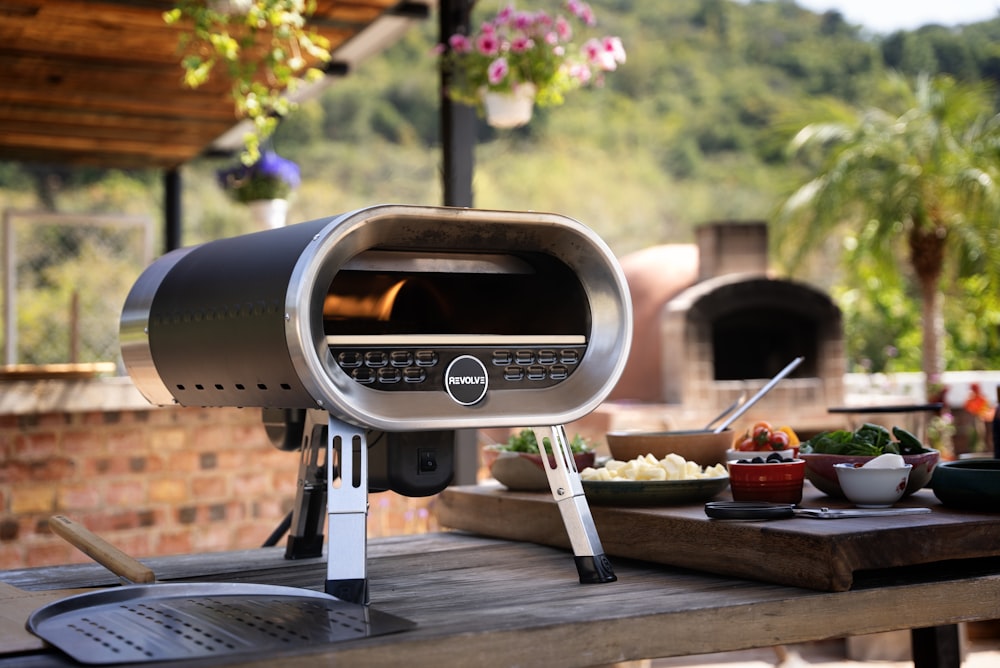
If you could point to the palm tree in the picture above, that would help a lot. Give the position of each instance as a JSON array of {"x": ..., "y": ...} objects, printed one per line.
[{"x": 915, "y": 184}]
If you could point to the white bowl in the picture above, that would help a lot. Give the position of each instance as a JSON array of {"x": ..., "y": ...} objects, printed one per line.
[{"x": 872, "y": 487}]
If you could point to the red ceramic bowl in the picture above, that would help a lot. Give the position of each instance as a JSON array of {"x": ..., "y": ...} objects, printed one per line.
[
  {"x": 774, "y": 482},
  {"x": 820, "y": 471}
]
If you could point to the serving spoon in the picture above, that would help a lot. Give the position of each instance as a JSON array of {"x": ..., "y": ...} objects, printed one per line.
[
  {"x": 729, "y": 409},
  {"x": 760, "y": 394}
]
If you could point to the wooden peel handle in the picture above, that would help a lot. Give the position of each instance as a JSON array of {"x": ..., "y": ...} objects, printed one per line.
[{"x": 101, "y": 551}]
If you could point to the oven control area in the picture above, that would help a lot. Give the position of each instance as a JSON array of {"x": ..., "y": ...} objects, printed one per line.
[{"x": 421, "y": 368}]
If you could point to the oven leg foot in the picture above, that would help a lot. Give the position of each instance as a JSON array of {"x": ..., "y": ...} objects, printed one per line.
[
  {"x": 564, "y": 481},
  {"x": 347, "y": 512}
]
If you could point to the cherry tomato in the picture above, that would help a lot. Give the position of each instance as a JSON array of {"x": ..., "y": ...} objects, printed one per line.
[
  {"x": 779, "y": 440},
  {"x": 761, "y": 437},
  {"x": 746, "y": 445},
  {"x": 793, "y": 439}
]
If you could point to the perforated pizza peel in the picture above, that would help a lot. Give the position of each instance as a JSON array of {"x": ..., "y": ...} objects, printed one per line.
[{"x": 178, "y": 621}]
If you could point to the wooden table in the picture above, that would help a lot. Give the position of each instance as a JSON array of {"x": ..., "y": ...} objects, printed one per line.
[
  {"x": 829, "y": 555},
  {"x": 492, "y": 602}
]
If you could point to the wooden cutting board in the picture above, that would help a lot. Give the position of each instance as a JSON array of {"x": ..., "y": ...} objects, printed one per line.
[
  {"x": 826, "y": 555},
  {"x": 15, "y": 607}
]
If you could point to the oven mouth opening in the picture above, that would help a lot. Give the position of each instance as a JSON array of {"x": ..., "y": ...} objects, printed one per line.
[{"x": 455, "y": 297}]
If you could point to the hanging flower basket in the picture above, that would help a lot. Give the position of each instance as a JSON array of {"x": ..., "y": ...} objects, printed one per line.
[
  {"x": 515, "y": 49},
  {"x": 271, "y": 177},
  {"x": 509, "y": 110}
]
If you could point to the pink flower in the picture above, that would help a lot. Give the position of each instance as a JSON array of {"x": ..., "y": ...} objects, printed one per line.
[
  {"x": 580, "y": 73},
  {"x": 522, "y": 21},
  {"x": 582, "y": 11},
  {"x": 521, "y": 44},
  {"x": 614, "y": 46},
  {"x": 605, "y": 54},
  {"x": 564, "y": 29},
  {"x": 488, "y": 44},
  {"x": 497, "y": 71},
  {"x": 543, "y": 20},
  {"x": 460, "y": 44},
  {"x": 504, "y": 15}
]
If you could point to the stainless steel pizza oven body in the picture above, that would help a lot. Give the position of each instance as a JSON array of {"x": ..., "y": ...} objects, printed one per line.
[
  {"x": 401, "y": 322},
  {"x": 362, "y": 315}
]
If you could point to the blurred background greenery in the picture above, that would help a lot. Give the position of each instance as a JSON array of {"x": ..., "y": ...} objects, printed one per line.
[{"x": 693, "y": 128}]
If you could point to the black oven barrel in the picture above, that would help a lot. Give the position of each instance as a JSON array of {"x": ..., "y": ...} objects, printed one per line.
[{"x": 391, "y": 317}]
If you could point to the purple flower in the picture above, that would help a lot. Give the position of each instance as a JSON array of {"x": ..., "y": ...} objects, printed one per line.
[
  {"x": 271, "y": 177},
  {"x": 273, "y": 166}
]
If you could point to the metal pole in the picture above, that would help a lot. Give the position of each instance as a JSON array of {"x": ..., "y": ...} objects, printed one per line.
[
  {"x": 172, "y": 209},
  {"x": 458, "y": 121},
  {"x": 9, "y": 292},
  {"x": 458, "y": 141}
]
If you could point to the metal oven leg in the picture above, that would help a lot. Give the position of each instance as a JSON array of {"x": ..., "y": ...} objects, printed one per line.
[
  {"x": 305, "y": 535},
  {"x": 347, "y": 512},
  {"x": 564, "y": 481}
]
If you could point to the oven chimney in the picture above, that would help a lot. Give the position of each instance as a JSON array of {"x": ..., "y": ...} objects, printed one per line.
[{"x": 730, "y": 247}]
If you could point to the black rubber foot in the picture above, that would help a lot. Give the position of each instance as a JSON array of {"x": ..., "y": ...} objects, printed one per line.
[
  {"x": 594, "y": 570},
  {"x": 352, "y": 591}
]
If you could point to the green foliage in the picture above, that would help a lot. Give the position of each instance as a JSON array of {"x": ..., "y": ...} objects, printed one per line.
[
  {"x": 916, "y": 180},
  {"x": 264, "y": 48}
]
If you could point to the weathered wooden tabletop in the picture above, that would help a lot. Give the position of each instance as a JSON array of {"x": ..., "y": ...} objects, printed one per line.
[{"x": 490, "y": 602}]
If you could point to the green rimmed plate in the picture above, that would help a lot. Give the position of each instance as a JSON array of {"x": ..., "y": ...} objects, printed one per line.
[{"x": 653, "y": 492}]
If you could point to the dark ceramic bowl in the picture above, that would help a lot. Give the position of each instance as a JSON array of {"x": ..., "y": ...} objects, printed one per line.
[
  {"x": 820, "y": 471},
  {"x": 971, "y": 484}
]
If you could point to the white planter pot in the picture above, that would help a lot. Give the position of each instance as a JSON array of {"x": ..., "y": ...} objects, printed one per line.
[
  {"x": 509, "y": 110},
  {"x": 268, "y": 214},
  {"x": 231, "y": 7}
]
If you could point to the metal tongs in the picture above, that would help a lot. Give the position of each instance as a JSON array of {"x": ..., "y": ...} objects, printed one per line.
[{"x": 748, "y": 510}]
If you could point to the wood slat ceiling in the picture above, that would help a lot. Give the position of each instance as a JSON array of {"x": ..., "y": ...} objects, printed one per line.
[{"x": 99, "y": 83}]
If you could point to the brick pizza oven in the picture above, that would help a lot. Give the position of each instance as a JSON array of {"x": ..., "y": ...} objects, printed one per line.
[{"x": 712, "y": 322}]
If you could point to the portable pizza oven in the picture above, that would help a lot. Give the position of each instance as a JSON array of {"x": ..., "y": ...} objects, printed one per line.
[{"x": 395, "y": 324}]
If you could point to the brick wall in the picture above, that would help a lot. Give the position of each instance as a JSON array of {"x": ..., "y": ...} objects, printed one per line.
[{"x": 154, "y": 481}]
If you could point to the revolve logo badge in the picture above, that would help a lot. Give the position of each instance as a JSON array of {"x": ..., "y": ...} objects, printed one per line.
[{"x": 465, "y": 380}]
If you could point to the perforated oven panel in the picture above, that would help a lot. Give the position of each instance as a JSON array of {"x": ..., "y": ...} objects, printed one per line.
[{"x": 392, "y": 317}]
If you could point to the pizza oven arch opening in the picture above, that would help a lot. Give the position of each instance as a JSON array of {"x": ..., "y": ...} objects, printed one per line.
[
  {"x": 733, "y": 332},
  {"x": 745, "y": 341},
  {"x": 756, "y": 325}
]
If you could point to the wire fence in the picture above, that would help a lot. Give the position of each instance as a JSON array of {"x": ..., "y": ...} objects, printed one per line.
[{"x": 66, "y": 277}]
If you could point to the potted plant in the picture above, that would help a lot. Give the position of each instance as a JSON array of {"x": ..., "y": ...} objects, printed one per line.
[
  {"x": 517, "y": 464},
  {"x": 264, "y": 186},
  {"x": 527, "y": 57},
  {"x": 264, "y": 47}
]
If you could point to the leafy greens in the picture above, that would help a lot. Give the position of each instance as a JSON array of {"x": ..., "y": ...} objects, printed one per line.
[{"x": 866, "y": 440}]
